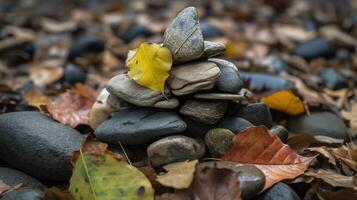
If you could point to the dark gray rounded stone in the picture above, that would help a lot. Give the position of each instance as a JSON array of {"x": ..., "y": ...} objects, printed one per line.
[
  {"x": 174, "y": 148},
  {"x": 12, "y": 177},
  {"x": 37, "y": 145},
  {"x": 234, "y": 124},
  {"x": 218, "y": 141},
  {"x": 281, "y": 132},
  {"x": 319, "y": 47},
  {"x": 319, "y": 123},
  {"x": 229, "y": 81},
  {"x": 139, "y": 125},
  {"x": 279, "y": 191},
  {"x": 24, "y": 194},
  {"x": 196, "y": 129},
  {"x": 73, "y": 74},
  {"x": 256, "y": 113},
  {"x": 87, "y": 44},
  {"x": 332, "y": 79},
  {"x": 205, "y": 111}
]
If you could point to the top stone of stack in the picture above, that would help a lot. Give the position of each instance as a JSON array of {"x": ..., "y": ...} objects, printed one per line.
[{"x": 184, "y": 37}]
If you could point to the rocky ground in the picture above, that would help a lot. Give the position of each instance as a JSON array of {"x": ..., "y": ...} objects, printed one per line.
[{"x": 178, "y": 100}]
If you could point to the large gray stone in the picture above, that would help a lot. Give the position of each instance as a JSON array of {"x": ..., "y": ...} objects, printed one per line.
[
  {"x": 174, "y": 148},
  {"x": 319, "y": 123},
  {"x": 191, "y": 77},
  {"x": 37, "y": 145},
  {"x": 12, "y": 177},
  {"x": 184, "y": 37},
  {"x": 123, "y": 87},
  {"x": 229, "y": 80},
  {"x": 139, "y": 125}
]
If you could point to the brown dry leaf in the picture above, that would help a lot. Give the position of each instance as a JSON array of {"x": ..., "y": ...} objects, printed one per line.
[
  {"x": 212, "y": 183},
  {"x": 345, "y": 194},
  {"x": 43, "y": 74},
  {"x": 3, "y": 187},
  {"x": 110, "y": 62},
  {"x": 351, "y": 116},
  {"x": 73, "y": 107},
  {"x": 54, "y": 193},
  {"x": 179, "y": 175},
  {"x": 36, "y": 99},
  {"x": 300, "y": 141},
  {"x": 178, "y": 195},
  {"x": 256, "y": 145},
  {"x": 334, "y": 179},
  {"x": 325, "y": 152}
]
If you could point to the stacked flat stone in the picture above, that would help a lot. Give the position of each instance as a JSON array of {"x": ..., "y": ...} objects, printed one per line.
[{"x": 198, "y": 94}]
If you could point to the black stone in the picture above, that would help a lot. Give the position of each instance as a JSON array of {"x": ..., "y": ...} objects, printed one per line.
[
  {"x": 319, "y": 123},
  {"x": 73, "y": 74},
  {"x": 24, "y": 194},
  {"x": 139, "y": 125},
  {"x": 281, "y": 132},
  {"x": 279, "y": 191},
  {"x": 255, "y": 113},
  {"x": 37, "y": 145},
  {"x": 319, "y": 47},
  {"x": 135, "y": 31},
  {"x": 234, "y": 124},
  {"x": 209, "y": 31},
  {"x": 87, "y": 44},
  {"x": 196, "y": 129}
]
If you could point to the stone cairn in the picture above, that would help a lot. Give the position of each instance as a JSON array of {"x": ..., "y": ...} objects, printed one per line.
[{"x": 201, "y": 102}]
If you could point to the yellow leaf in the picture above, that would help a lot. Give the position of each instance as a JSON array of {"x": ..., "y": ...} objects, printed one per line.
[
  {"x": 179, "y": 175},
  {"x": 285, "y": 101},
  {"x": 150, "y": 66},
  {"x": 104, "y": 177}
]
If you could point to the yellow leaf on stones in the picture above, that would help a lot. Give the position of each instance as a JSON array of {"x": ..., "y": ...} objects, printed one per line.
[
  {"x": 104, "y": 177},
  {"x": 285, "y": 101},
  {"x": 179, "y": 175},
  {"x": 150, "y": 66}
]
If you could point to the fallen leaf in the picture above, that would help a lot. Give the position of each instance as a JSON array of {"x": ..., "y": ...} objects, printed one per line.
[
  {"x": 345, "y": 194},
  {"x": 3, "y": 187},
  {"x": 178, "y": 195},
  {"x": 150, "y": 66},
  {"x": 54, "y": 193},
  {"x": 285, "y": 101},
  {"x": 333, "y": 178},
  {"x": 212, "y": 183},
  {"x": 256, "y": 145},
  {"x": 73, "y": 107},
  {"x": 45, "y": 74},
  {"x": 99, "y": 175},
  {"x": 351, "y": 116},
  {"x": 300, "y": 141},
  {"x": 179, "y": 175},
  {"x": 36, "y": 99},
  {"x": 325, "y": 152}
]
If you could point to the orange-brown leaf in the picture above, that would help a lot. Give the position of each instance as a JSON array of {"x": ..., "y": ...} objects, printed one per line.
[
  {"x": 256, "y": 145},
  {"x": 73, "y": 107}
]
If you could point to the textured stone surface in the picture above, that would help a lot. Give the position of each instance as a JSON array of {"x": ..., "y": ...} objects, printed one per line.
[
  {"x": 184, "y": 37},
  {"x": 123, "y": 87},
  {"x": 167, "y": 103},
  {"x": 139, "y": 125},
  {"x": 174, "y": 148},
  {"x": 213, "y": 49},
  {"x": 205, "y": 111},
  {"x": 191, "y": 77},
  {"x": 281, "y": 132},
  {"x": 37, "y": 145},
  {"x": 332, "y": 125},
  {"x": 218, "y": 141}
]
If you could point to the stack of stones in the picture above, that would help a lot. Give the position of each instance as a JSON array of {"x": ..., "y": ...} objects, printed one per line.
[{"x": 200, "y": 108}]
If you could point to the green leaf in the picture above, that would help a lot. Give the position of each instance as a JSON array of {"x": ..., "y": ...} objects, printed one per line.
[{"x": 104, "y": 177}]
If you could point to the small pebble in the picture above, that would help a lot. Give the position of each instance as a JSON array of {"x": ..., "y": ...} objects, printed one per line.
[
  {"x": 281, "y": 132},
  {"x": 218, "y": 141}
]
